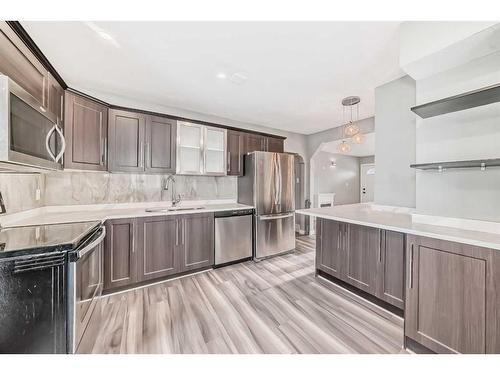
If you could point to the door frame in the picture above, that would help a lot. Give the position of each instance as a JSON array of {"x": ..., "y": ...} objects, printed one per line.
[{"x": 361, "y": 178}]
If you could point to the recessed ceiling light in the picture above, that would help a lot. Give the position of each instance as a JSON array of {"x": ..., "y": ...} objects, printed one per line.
[
  {"x": 102, "y": 33},
  {"x": 221, "y": 75},
  {"x": 238, "y": 78}
]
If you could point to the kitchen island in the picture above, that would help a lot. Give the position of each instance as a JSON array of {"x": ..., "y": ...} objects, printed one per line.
[{"x": 444, "y": 273}]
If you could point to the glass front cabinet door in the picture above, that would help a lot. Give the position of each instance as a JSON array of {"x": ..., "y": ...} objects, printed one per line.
[{"x": 201, "y": 150}]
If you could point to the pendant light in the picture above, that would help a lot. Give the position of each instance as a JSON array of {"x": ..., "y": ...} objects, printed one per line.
[
  {"x": 351, "y": 104},
  {"x": 343, "y": 147},
  {"x": 358, "y": 138}
]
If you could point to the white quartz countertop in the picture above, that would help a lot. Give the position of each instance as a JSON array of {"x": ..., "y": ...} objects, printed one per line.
[
  {"x": 102, "y": 212},
  {"x": 401, "y": 219}
]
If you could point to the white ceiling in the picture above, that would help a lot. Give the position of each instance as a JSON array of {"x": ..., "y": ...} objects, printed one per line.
[
  {"x": 286, "y": 75},
  {"x": 367, "y": 148}
]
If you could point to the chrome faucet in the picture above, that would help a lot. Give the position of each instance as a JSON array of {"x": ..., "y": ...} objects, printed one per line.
[{"x": 176, "y": 198}]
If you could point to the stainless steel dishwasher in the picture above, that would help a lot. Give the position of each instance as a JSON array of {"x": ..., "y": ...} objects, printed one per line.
[{"x": 233, "y": 236}]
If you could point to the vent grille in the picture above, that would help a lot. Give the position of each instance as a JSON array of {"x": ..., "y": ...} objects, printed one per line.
[{"x": 39, "y": 262}]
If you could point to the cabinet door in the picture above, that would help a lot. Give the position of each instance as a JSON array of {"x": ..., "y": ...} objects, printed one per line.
[
  {"x": 56, "y": 99},
  {"x": 274, "y": 144},
  {"x": 254, "y": 142},
  {"x": 85, "y": 130},
  {"x": 390, "y": 274},
  {"x": 126, "y": 141},
  {"x": 452, "y": 296},
  {"x": 189, "y": 148},
  {"x": 329, "y": 244},
  {"x": 215, "y": 151},
  {"x": 235, "y": 145},
  {"x": 158, "y": 248},
  {"x": 363, "y": 247},
  {"x": 17, "y": 62},
  {"x": 160, "y": 144},
  {"x": 197, "y": 240},
  {"x": 120, "y": 260}
]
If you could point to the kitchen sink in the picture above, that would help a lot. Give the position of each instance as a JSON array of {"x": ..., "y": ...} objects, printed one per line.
[{"x": 170, "y": 209}]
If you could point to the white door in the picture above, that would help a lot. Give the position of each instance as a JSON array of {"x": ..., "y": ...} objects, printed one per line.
[{"x": 366, "y": 182}]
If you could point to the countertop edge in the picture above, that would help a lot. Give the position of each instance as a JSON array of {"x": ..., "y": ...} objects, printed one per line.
[{"x": 438, "y": 236}]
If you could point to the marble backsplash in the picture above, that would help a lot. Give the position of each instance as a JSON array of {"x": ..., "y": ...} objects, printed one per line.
[
  {"x": 71, "y": 188},
  {"x": 19, "y": 191}
]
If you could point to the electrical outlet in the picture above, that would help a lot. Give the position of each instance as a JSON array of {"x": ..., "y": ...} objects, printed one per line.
[{"x": 38, "y": 194}]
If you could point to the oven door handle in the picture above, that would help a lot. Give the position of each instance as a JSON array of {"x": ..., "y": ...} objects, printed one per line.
[
  {"x": 81, "y": 253},
  {"x": 47, "y": 142}
]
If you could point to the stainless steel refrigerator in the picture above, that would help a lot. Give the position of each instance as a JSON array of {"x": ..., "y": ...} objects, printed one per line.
[{"x": 268, "y": 185}]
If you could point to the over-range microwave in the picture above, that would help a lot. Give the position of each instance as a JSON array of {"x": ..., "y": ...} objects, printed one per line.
[{"x": 30, "y": 136}]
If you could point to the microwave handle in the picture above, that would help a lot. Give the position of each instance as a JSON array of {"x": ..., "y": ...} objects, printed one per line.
[
  {"x": 47, "y": 141},
  {"x": 63, "y": 141}
]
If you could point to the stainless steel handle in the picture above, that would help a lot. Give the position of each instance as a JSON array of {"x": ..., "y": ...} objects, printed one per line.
[
  {"x": 177, "y": 232},
  {"x": 141, "y": 155},
  {"x": 410, "y": 276},
  {"x": 183, "y": 228},
  {"x": 102, "y": 152},
  {"x": 63, "y": 140},
  {"x": 146, "y": 154},
  {"x": 273, "y": 217},
  {"x": 105, "y": 150},
  {"x": 47, "y": 141},
  {"x": 62, "y": 106},
  {"x": 93, "y": 244},
  {"x": 229, "y": 161},
  {"x": 132, "y": 237},
  {"x": 380, "y": 245},
  {"x": 338, "y": 236}
]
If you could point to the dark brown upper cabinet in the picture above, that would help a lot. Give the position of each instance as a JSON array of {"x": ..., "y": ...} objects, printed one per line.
[
  {"x": 255, "y": 142},
  {"x": 86, "y": 130},
  {"x": 18, "y": 63},
  {"x": 159, "y": 251},
  {"x": 56, "y": 99},
  {"x": 235, "y": 145},
  {"x": 141, "y": 143},
  {"x": 127, "y": 132},
  {"x": 452, "y": 296},
  {"x": 161, "y": 134},
  {"x": 274, "y": 144},
  {"x": 196, "y": 241}
]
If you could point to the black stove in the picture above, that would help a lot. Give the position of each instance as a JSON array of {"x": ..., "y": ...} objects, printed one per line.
[{"x": 34, "y": 278}]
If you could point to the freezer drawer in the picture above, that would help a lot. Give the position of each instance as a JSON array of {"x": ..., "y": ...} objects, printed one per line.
[
  {"x": 233, "y": 238},
  {"x": 274, "y": 234}
]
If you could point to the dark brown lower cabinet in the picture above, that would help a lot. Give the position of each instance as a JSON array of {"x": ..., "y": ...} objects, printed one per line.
[
  {"x": 367, "y": 258},
  {"x": 120, "y": 265},
  {"x": 391, "y": 262},
  {"x": 362, "y": 257},
  {"x": 197, "y": 241},
  {"x": 328, "y": 247},
  {"x": 149, "y": 248},
  {"x": 158, "y": 247},
  {"x": 452, "y": 296}
]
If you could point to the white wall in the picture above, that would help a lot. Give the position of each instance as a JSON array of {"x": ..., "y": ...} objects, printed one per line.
[
  {"x": 343, "y": 180},
  {"x": 422, "y": 38},
  {"x": 395, "y": 143},
  {"x": 469, "y": 134}
]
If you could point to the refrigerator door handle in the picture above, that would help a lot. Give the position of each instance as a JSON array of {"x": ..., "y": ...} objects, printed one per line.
[
  {"x": 275, "y": 217},
  {"x": 276, "y": 180}
]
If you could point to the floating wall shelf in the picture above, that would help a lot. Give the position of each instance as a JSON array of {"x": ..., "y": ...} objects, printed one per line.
[
  {"x": 471, "y": 99},
  {"x": 441, "y": 166}
]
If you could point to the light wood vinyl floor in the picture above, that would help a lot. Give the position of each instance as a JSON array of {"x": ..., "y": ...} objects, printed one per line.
[{"x": 273, "y": 306}]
